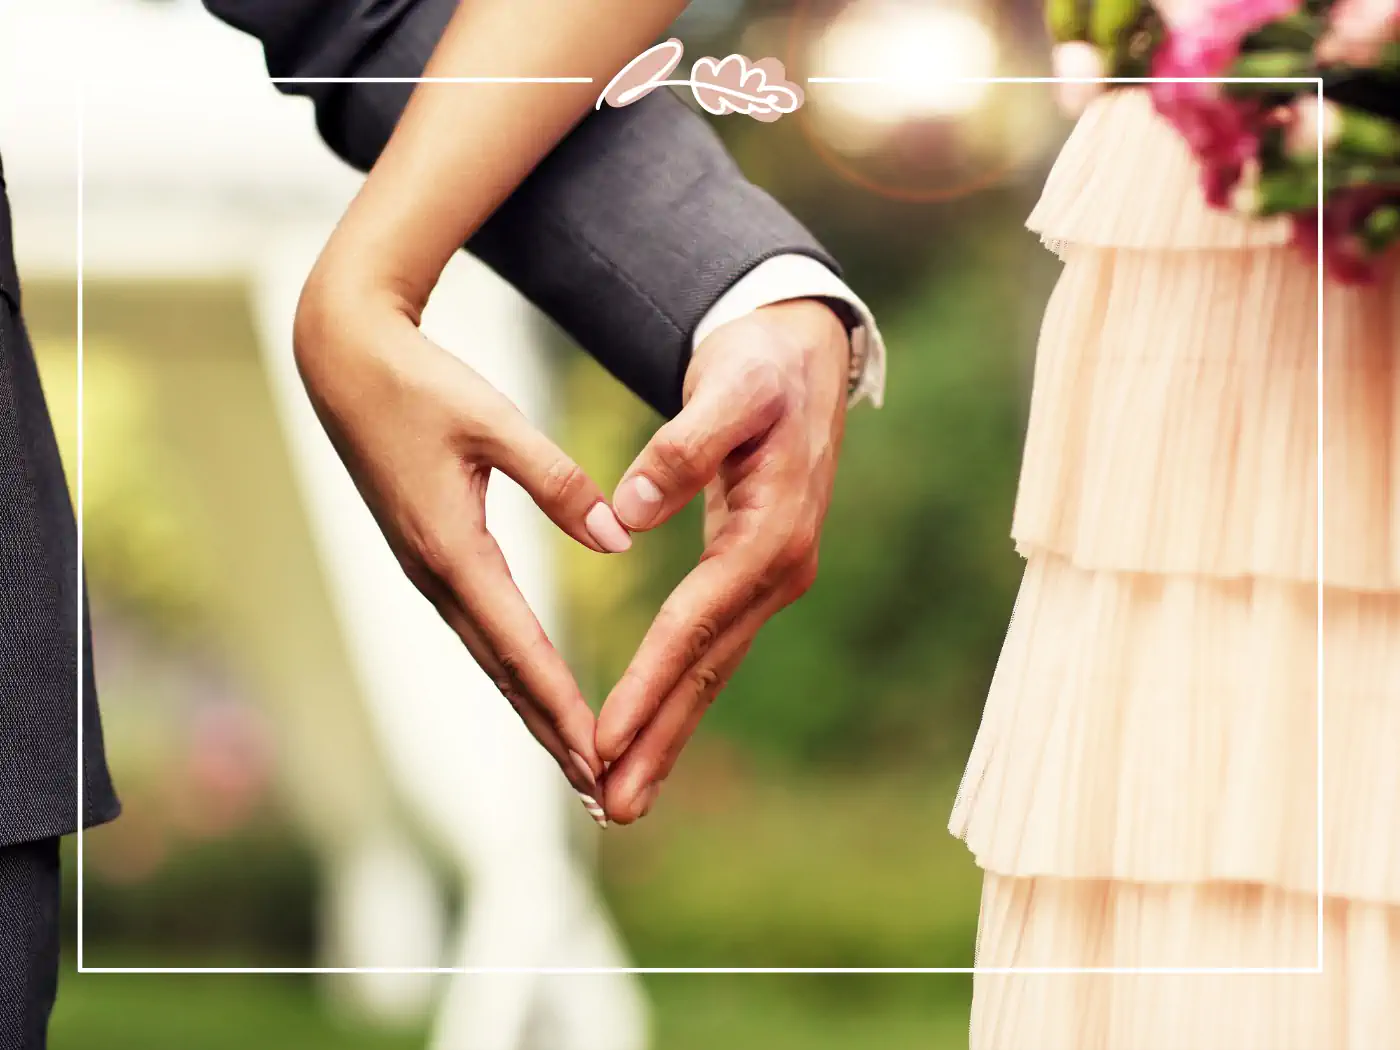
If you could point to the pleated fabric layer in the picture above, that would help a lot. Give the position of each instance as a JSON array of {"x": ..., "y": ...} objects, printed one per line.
[
  {"x": 1354, "y": 1004},
  {"x": 1174, "y": 426},
  {"x": 1143, "y": 789},
  {"x": 1088, "y": 201},
  {"x": 1165, "y": 729}
]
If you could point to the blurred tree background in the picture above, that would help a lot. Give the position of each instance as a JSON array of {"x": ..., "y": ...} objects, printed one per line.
[{"x": 806, "y": 826}]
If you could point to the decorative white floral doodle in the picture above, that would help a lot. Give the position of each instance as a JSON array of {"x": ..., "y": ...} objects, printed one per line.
[{"x": 730, "y": 85}]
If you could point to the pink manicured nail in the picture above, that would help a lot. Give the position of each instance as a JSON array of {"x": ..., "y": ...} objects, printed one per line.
[
  {"x": 581, "y": 764},
  {"x": 594, "y": 810},
  {"x": 637, "y": 502},
  {"x": 607, "y": 532}
]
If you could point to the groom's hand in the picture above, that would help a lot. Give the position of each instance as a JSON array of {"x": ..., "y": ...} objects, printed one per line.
[{"x": 760, "y": 431}]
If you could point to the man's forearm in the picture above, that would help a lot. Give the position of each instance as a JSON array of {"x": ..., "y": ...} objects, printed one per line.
[{"x": 626, "y": 235}]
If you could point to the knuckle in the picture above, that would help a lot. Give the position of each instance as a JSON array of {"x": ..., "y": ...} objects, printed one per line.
[
  {"x": 478, "y": 445},
  {"x": 707, "y": 682},
  {"x": 416, "y": 570},
  {"x": 435, "y": 554},
  {"x": 754, "y": 587},
  {"x": 700, "y": 635},
  {"x": 798, "y": 546},
  {"x": 512, "y": 667},
  {"x": 677, "y": 457},
  {"x": 764, "y": 592},
  {"x": 565, "y": 483},
  {"x": 766, "y": 580},
  {"x": 804, "y": 577},
  {"x": 507, "y": 686},
  {"x": 518, "y": 661}
]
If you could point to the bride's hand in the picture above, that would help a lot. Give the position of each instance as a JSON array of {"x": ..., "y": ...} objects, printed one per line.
[{"x": 421, "y": 433}]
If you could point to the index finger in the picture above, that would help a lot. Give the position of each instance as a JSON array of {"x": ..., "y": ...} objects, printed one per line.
[{"x": 521, "y": 660}]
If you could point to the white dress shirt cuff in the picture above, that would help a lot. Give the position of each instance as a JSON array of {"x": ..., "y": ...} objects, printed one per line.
[{"x": 786, "y": 277}]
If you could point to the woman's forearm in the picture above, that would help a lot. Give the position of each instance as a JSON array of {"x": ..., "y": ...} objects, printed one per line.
[{"x": 460, "y": 149}]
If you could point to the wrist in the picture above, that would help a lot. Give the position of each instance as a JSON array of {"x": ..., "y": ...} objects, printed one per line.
[
  {"x": 366, "y": 262},
  {"x": 819, "y": 326},
  {"x": 804, "y": 339},
  {"x": 344, "y": 313},
  {"x": 823, "y": 330},
  {"x": 857, "y": 345}
]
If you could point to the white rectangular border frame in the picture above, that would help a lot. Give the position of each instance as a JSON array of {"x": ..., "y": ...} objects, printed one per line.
[{"x": 584, "y": 971}]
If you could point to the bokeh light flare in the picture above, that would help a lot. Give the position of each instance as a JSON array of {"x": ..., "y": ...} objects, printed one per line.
[{"x": 927, "y": 56}]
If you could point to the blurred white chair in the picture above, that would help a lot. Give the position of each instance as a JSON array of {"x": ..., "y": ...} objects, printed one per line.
[{"x": 195, "y": 167}]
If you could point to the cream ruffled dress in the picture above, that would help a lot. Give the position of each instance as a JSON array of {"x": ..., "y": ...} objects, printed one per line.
[{"x": 1143, "y": 789}]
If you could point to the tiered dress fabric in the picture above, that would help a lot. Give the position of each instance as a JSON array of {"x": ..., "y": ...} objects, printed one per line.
[{"x": 1143, "y": 791}]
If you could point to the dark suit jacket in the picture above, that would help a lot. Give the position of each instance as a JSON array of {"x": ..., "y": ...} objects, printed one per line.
[
  {"x": 39, "y": 617},
  {"x": 626, "y": 236}
]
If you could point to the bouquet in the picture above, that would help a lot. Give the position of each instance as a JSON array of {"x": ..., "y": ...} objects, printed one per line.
[{"x": 1258, "y": 143}]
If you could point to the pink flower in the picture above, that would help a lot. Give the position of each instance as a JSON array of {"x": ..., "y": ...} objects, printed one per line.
[
  {"x": 1206, "y": 45},
  {"x": 1358, "y": 31},
  {"x": 1222, "y": 132},
  {"x": 1225, "y": 23}
]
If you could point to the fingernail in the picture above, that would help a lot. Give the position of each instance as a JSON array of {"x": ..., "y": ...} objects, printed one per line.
[
  {"x": 594, "y": 810},
  {"x": 647, "y": 798},
  {"x": 607, "y": 532},
  {"x": 637, "y": 501},
  {"x": 581, "y": 764}
]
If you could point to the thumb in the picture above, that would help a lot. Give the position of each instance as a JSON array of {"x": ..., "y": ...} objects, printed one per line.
[
  {"x": 728, "y": 407},
  {"x": 558, "y": 485}
]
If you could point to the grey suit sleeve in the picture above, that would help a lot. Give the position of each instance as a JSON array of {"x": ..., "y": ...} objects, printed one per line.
[{"x": 626, "y": 235}]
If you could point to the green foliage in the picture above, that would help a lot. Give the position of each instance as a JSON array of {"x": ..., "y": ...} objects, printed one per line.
[
  {"x": 196, "y": 1012},
  {"x": 805, "y": 1012},
  {"x": 746, "y": 1012},
  {"x": 740, "y": 870},
  {"x": 800, "y": 871},
  {"x": 723, "y": 878}
]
